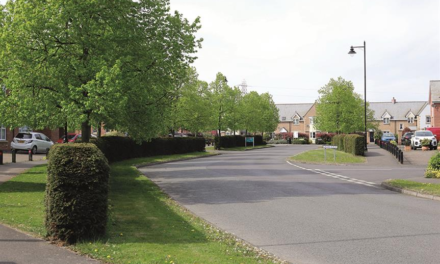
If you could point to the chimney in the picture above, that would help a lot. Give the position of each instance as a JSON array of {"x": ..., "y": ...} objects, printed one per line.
[{"x": 393, "y": 100}]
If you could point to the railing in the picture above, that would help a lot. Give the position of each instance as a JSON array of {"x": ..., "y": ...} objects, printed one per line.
[{"x": 393, "y": 149}]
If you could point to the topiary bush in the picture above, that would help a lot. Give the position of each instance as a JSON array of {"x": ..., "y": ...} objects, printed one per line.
[
  {"x": 433, "y": 170},
  {"x": 76, "y": 193}
]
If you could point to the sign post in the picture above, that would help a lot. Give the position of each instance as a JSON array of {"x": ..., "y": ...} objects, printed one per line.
[
  {"x": 249, "y": 140},
  {"x": 329, "y": 147}
]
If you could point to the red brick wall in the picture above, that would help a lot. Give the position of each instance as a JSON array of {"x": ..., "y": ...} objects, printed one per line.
[{"x": 435, "y": 114}]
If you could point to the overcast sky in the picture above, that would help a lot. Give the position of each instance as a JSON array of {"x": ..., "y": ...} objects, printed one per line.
[{"x": 291, "y": 48}]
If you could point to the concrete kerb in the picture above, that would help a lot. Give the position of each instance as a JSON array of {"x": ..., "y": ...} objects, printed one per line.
[{"x": 408, "y": 192}]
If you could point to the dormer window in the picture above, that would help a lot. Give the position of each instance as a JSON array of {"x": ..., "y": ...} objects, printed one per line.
[
  {"x": 296, "y": 121},
  {"x": 283, "y": 118},
  {"x": 386, "y": 120}
]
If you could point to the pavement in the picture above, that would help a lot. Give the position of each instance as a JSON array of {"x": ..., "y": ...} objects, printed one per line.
[{"x": 19, "y": 248}]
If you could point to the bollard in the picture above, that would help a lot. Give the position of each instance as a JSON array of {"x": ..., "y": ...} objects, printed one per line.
[
  {"x": 14, "y": 158},
  {"x": 30, "y": 155},
  {"x": 1, "y": 157},
  {"x": 401, "y": 157}
]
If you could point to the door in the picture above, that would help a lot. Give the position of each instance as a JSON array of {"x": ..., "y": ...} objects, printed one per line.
[{"x": 371, "y": 136}]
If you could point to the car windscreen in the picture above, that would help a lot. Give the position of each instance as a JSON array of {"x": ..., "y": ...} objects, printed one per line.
[
  {"x": 24, "y": 135},
  {"x": 424, "y": 134}
]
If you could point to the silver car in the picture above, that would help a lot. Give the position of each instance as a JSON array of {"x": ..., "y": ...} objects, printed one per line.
[
  {"x": 419, "y": 135},
  {"x": 37, "y": 142}
]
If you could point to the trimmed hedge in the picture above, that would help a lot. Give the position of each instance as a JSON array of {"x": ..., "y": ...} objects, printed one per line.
[
  {"x": 122, "y": 148},
  {"x": 76, "y": 192},
  {"x": 236, "y": 141},
  {"x": 433, "y": 170},
  {"x": 352, "y": 143}
]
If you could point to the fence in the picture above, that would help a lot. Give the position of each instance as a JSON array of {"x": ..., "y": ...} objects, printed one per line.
[{"x": 393, "y": 149}]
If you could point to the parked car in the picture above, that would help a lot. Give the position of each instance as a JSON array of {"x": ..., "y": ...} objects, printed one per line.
[
  {"x": 71, "y": 137},
  {"x": 406, "y": 137},
  {"x": 388, "y": 137},
  {"x": 37, "y": 142},
  {"x": 419, "y": 135}
]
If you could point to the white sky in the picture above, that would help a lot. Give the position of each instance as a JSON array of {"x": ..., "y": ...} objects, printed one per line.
[{"x": 291, "y": 48}]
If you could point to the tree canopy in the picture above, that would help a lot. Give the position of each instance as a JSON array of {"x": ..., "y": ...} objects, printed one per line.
[
  {"x": 90, "y": 61},
  {"x": 339, "y": 109}
]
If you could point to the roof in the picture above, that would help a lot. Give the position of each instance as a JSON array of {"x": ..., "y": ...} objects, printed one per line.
[
  {"x": 398, "y": 110},
  {"x": 290, "y": 110},
  {"x": 434, "y": 89}
]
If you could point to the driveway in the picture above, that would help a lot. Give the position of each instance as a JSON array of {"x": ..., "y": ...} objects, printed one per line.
[{"x": 304, "y": 213}]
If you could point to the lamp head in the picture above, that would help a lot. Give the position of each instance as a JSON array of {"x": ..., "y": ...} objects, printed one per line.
[{"x": 351, "y": 52}]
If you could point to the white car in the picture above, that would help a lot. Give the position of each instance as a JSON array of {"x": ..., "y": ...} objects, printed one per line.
[
  {"x": 37, "y": 142},
  {"x": 418, "y": 136}
]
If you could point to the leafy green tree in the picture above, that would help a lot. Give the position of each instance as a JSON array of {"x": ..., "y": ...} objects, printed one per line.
[
  {"x": 192, "y": 108},
  {"x": 339, "y": 109},
  {"x": 232, "y": 116},
  {"x": 258, "y": 112},
  {"x": 90, "y": 61},
  {"x": 269, "y": 115}
]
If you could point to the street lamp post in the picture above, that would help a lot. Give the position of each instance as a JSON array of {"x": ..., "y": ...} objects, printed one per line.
[{"x": 352, "y": 53}]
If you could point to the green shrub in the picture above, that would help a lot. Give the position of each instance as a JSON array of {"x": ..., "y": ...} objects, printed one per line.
[
  {"x": 433, "y": 170},
  {"x": 122, "y": 148},
  {"x": 237, "y": 141},
  {"x": 352, "y": 143},
  {"x": 76, "y": 193},
  {"x": 426, "y": 142},
  {"x": 279, "y": 141},
  {"x": 300, "y": 141},
  {"x": 393, "y": 142}
]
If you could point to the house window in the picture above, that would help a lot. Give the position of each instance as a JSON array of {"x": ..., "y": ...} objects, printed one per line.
[
  {"x": 283, "y": 118},
  {"x": 386, "y": 131},
  {"x": 296, "y": 121},
  {"x": 410, "y": 120},
  {"x": 312, "y": 134},
  {"x": 2, "y": 132},
  {"x": 386, "y": 120},
  {"x": 428, "y": 119},
  {"x": 400, "y": 126},
  {"x": 24, "y": 129},
  {"x": 312, "y": 120}
]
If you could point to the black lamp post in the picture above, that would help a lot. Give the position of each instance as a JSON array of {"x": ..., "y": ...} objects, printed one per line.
[{"x": 352, "y": 53}]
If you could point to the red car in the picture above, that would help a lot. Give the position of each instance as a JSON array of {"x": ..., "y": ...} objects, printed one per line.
[{"x": 71, "y": 137}]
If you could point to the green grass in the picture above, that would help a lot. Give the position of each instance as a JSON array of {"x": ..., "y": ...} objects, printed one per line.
[
  {"x": 317, "y": 156},
  {"x": 145, "y": 226},
  {"x": 426, "y": 188}
]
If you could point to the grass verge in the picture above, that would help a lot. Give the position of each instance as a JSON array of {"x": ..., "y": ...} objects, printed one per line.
[
  {"x": 426, "y": 188},
  {"x": 317, "y": 156},
  {"x": 145, "y": 225}
]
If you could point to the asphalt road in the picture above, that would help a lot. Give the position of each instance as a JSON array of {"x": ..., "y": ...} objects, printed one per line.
[{"x": 307, "y": 213}]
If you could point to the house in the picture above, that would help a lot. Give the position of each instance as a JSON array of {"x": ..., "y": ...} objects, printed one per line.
[
  {"x": 394, "y": 116},
  {"x": 434, "y": 102},
  {"x": 297, "y": 118}
]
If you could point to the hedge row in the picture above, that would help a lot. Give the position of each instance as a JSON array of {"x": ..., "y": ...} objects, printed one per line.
[
  {"x": 236, "y": 141},
  {"x": 76, "y": 193},
  {"x": 122, "y": 148},
  {"x": 352, "y": 143}
]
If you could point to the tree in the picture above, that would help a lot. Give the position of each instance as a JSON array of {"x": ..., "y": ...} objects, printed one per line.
[
  {"x": 90, "y": 61},
  {"x": 192, "y": 108},
  {"x": 270, "y": 114},
  {"x": 339, "y": 109},
  {"x": 258, "y": 112}
]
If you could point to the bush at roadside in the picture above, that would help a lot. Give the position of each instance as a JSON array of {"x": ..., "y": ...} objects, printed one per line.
[
  {"x": 433, "y": 170},
  {"x": 76, "y": 193}
]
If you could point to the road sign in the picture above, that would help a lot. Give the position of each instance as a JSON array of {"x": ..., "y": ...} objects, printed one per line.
[{"x": 330, "y": 147}]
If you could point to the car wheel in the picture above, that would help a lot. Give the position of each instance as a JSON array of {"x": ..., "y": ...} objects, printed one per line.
[{"x": 34, "y": 150}]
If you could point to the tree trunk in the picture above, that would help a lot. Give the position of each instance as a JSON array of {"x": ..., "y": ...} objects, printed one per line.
[
  {"x": 66, "y": 140},
  {"x": 85, "y": 132},
  {"x": 99, "y": 129}
]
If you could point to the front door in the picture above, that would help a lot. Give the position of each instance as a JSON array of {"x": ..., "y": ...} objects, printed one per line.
[{"x": 371, "y": 136}]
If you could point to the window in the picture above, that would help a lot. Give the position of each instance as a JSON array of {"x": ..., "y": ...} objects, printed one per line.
[
  {"x": 2, "y": 132},
  {"x": 428, "y": 119},
  {"x": 410, "y": 120},
  {"x": 386, "y": 120},
  {"x": 312, "y": 120},
  {"x": 283, "y": 118},
  {"x": 296, "y": 121},
  {"x": 386, "y": 131},
  {"x": 312, "y": 134},
  {"x": 24, "y": 129},
  {"x": 400, "y": 126}
]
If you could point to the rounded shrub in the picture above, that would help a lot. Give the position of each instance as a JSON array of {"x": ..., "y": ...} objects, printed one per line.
[
  {"x": 76, "y": 193},
  {"x": 433, "y": 170}
]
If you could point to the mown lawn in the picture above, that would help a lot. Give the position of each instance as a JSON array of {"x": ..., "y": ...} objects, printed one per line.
[
  {"x": 317, "y": 156},
  {"x": 145, "y": 225},
  {"x": 426, "y": 188}
]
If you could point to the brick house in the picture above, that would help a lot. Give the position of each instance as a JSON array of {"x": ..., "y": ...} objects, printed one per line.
[
  {"x": 434, "y": 102},
  {"x": 297, "y": 118}
]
